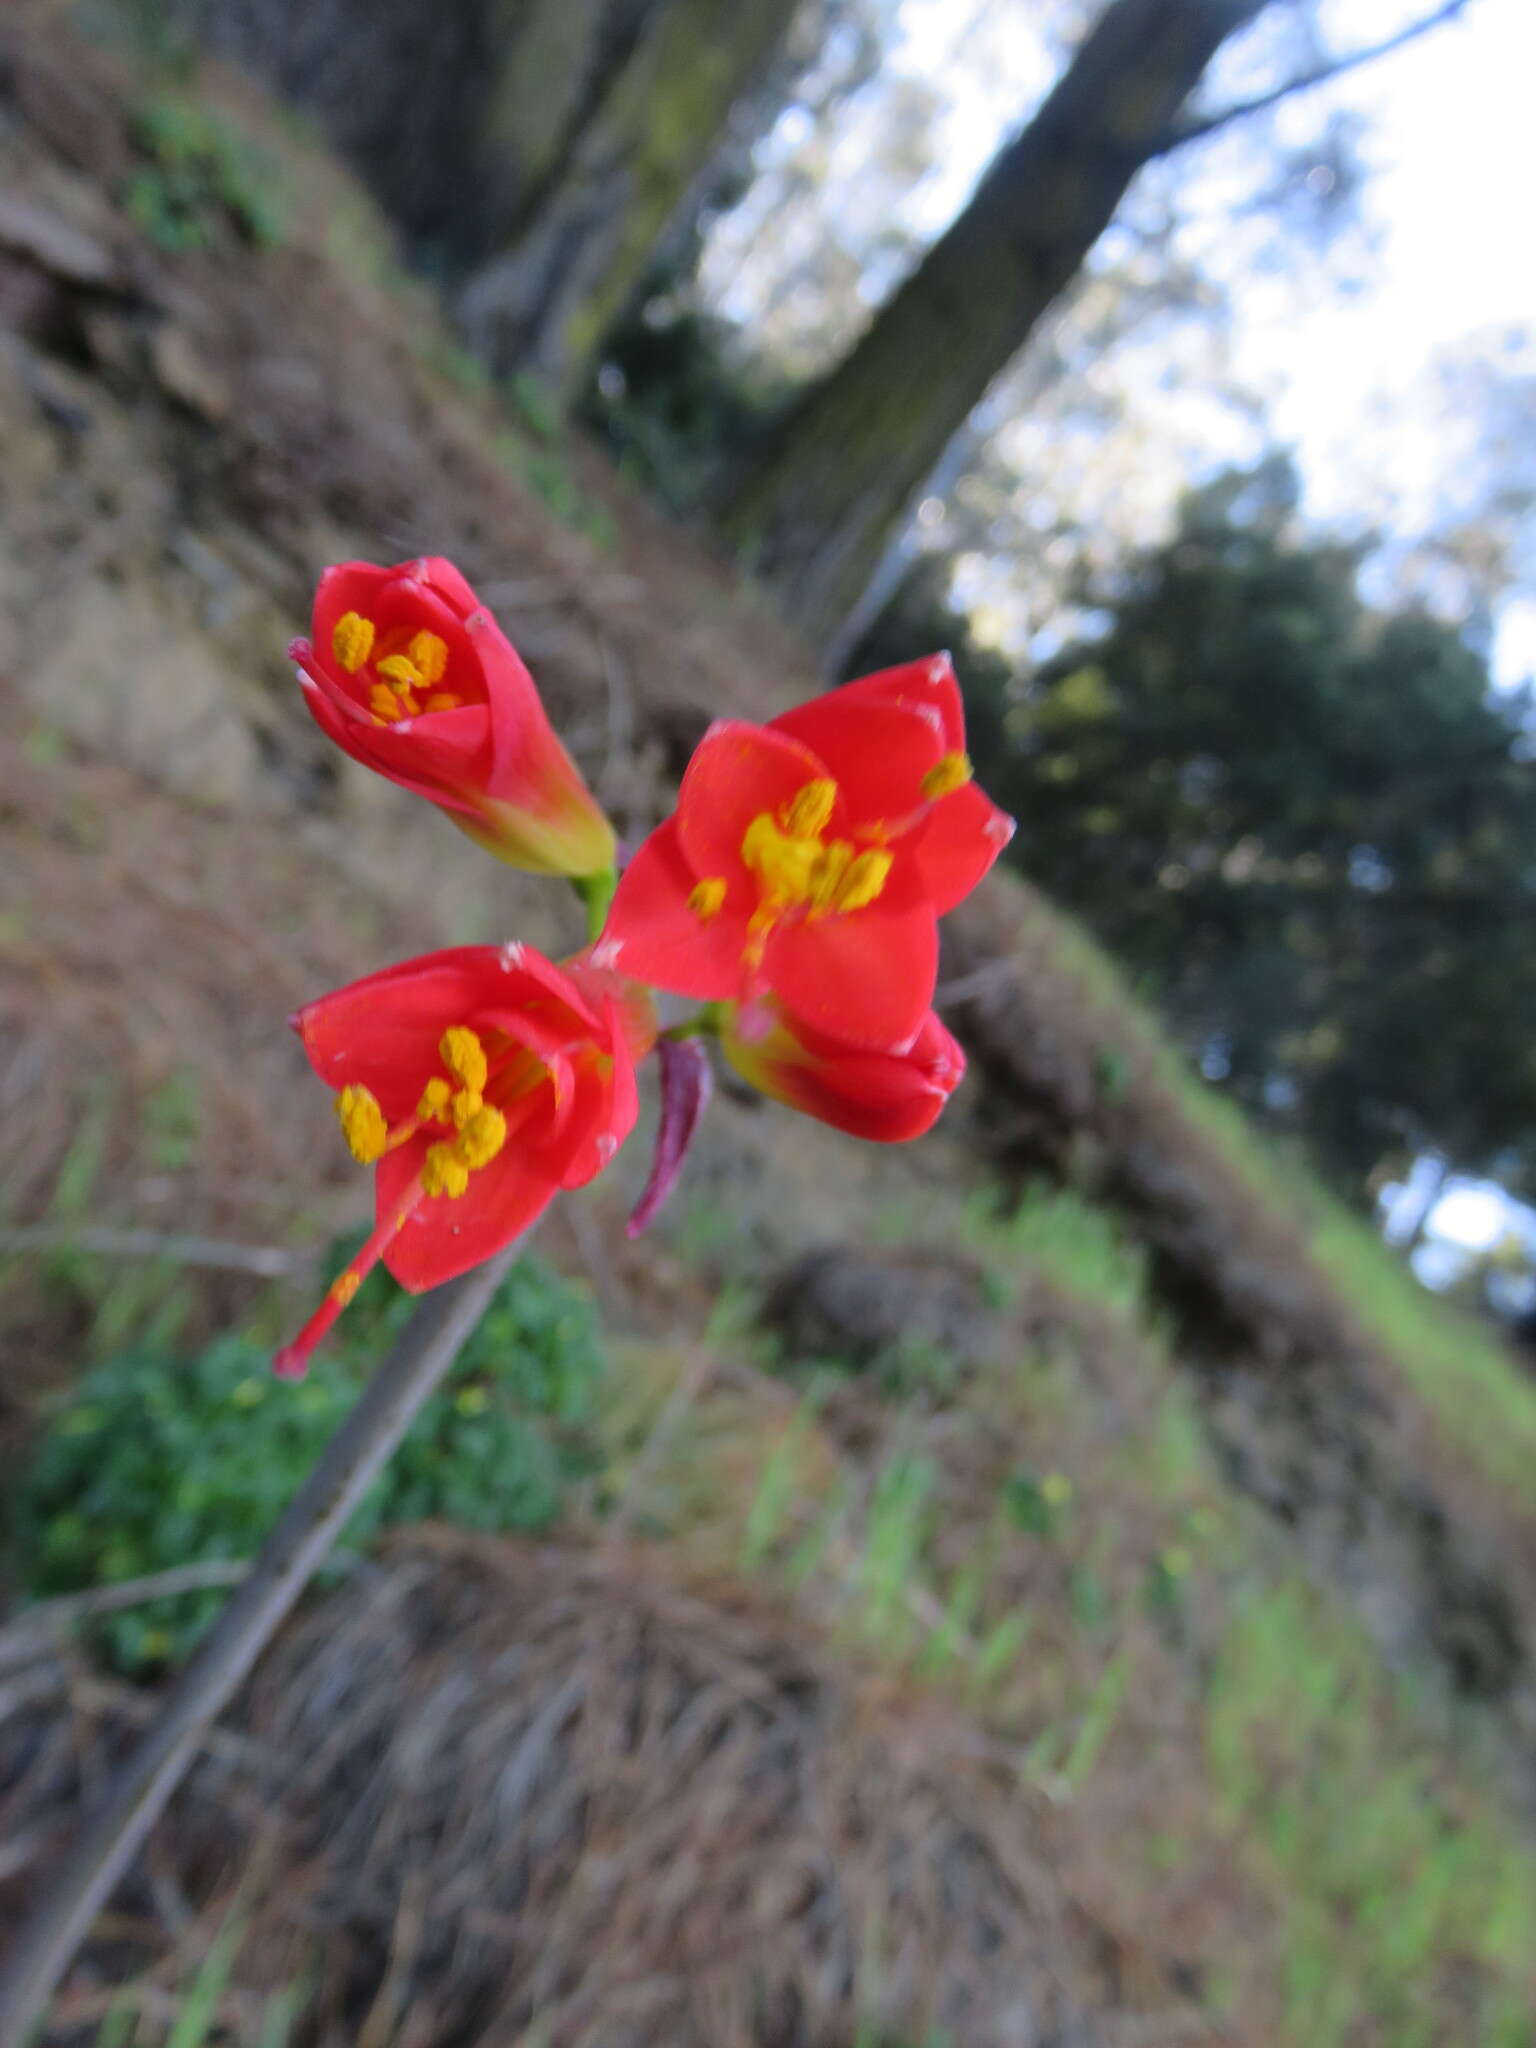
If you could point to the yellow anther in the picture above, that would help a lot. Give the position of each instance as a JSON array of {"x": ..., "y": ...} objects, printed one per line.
[
  {"x": 383, "y": 702},
  {"x": 464, "y": 1056},
  {"x": 401, "y": 670},
  {"x": 345, "y": 1285},
  {"x": 443, "y": 1172},
  {"x": 430, "y": 654},
  {"x": 827, "y": 876},
  {"x": 435, "y": 1097},
  {"x": 706, "y": 897},
  {"x": 352, "y": 641},
  {"x": 442, "y": 700},
  {"x": 362, "y": 1123},
  {"x": 465, "y": 1107},
  {"x": 809, "y": 811},
  {"x": 950, "y": 772},
  {"x": 785, "y": 862},
  {"x": 482, "y": 1137},
  {"x": 864, "y": 881}
]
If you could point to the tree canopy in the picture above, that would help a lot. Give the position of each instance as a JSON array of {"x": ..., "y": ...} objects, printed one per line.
[{"x": 1307, "y": 823}]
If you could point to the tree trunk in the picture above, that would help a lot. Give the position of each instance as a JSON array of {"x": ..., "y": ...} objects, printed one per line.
[
  {"x": 458, "y": 114},
  {"x": 815, "y": 511},
  {"x": 642, "y": 155}
]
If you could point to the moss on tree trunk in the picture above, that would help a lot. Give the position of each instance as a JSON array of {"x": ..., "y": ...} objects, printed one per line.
[{"x": 546, "y": 303}]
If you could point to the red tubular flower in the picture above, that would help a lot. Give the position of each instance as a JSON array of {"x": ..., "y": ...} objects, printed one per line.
[
  {"x": 887, "y": 1096},
  {"x": 413, "y": 677},
  {"x": 813, "y": 856},
  {"x": 480, "y": 1080}
]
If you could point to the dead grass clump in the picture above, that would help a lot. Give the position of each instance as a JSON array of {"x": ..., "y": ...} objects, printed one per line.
[
  {"x": 630, "y": 1809},
  {"x": 578, "y": 1797}
]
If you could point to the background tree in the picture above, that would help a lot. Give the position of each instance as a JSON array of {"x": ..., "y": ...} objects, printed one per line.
[
  {"x": 1308, "y": 824},
  {"x": 534, "y": 153},
  {"x": 818, "y": 504}
]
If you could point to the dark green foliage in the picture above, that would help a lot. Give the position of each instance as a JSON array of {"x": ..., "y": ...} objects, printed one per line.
[
  {"x": 1308, "y": 825},
  {"x": 671, "y": 402},
  {"x": 199, "y": 172},
  {"x": 160, "y": 1461}
]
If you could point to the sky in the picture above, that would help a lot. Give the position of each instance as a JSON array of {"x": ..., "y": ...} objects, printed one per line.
[{"x": 1452, "y": 179}]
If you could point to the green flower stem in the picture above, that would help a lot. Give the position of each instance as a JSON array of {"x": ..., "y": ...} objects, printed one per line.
[
  {"x": 704, "y": 1024},
  {"x": 304, "y": 1534},
  {"x": 597, "y": 892}
]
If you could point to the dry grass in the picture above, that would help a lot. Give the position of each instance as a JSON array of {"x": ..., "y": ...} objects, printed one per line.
[{"x": 588, "y": 1797}]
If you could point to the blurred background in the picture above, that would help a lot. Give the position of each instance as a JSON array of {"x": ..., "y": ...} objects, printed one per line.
[{"x": 1074, "y": 1581}]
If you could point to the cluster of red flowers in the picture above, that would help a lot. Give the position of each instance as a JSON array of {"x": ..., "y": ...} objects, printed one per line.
[{"x": 794, "y": 894}]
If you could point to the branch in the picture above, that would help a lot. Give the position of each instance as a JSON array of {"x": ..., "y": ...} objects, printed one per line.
[
  {"x": 271, "y": 1262},
  {"x": 39, "y": 1629},
  {"x": 309, "y": 1526},
  {"x": 1304, "y": 81}
]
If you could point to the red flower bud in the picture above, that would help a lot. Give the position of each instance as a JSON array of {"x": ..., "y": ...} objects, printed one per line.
[
  {"x": 413, "y": 677},
  {"x": 887, "y": 1096}
]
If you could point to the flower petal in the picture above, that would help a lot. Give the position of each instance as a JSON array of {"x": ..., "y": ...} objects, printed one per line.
[
  {"x": 606, "y": 1106},
  {"x": 928, "y": 684},
  {"x": 382, "y": 1032},
  {"x": 877, "y": 753},
  {"x": 737, "y": 772},
  {"x": 653, "y": 935},
  {"x": 445, "y": 1235},
  {"x": 964, "y": 835},
  {"x": 866, "y": 978},
  {"x": 439, "y": 574}
]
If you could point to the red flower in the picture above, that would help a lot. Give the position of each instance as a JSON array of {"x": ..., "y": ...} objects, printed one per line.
[
  {"x": 887, "y": 1096},
  {"x": 813, "y": 856},
  {"x": 481, "y": 1080},
  {"x": 411, "y": 676}
]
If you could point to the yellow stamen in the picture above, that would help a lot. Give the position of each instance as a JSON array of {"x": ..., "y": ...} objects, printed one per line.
[
  {"x": 430, "y": 654},
  {"x": 785, "y": 861},
  {"x": 482, "y": 1137},
  {"x": 345, "y": 1285},
  {"x": 442, "y": 700},
  {"x": 809, "y": 811},
  {"x": 464, "y": 1056},
  {"x": 435, "y": 1098},
  {"x": 383, "y": 702},
  {"x": 443, "y": 1172},
  {"x": 949, "y": 773},
  {"x": 465, "y": 1107},
  {"x": 707, "y": 897},
  {"x": 352, "y": 641},
  {"x": 362, "y": 1123},
  {"x": 798, "y": 869},
  {"x": 864, "y": 881},
  {"x": 827, "y": 877},
  {"x": 401, "y": 670}
]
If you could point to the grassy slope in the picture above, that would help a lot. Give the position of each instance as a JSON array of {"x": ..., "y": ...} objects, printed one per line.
[{"x": 1235, "y": 1779}]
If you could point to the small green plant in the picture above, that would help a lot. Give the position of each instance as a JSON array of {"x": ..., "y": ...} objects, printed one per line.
[
  {"x": 196, "y": 2006},
  {"x": 158, "y": 1460},
  {"x": 1037, "y": 1503},
  {"x": 199, "y": 172},
  {"x": 1058, "y": 1232}
]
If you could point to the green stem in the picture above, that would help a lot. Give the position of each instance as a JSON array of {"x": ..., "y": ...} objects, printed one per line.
[
  {"x": 596, "y": 892},
  {"x": 705, "y": 1024}
]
